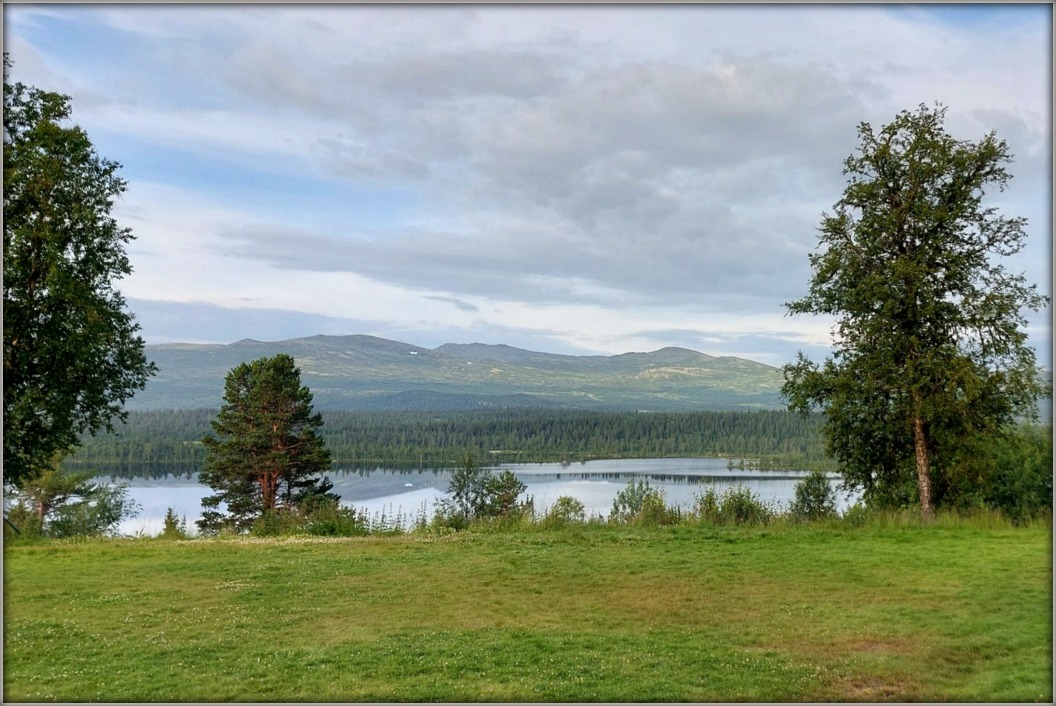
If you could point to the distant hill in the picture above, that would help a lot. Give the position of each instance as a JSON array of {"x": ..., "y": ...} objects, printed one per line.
[{"x": 370, "y": 373}]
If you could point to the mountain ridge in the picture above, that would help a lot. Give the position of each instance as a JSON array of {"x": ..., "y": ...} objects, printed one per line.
[{"x": 359, "y": 371}]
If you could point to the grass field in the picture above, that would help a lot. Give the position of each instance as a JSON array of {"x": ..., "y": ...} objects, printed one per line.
[{"x": 959, "y": 613}]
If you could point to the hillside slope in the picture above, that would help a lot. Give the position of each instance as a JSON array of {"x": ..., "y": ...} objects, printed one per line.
[{"x": 365, "y": 372}]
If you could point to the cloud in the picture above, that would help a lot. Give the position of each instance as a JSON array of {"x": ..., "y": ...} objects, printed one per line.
[
  {"x": 461, "y": 305},
  {"x": 587, "y": 176}
]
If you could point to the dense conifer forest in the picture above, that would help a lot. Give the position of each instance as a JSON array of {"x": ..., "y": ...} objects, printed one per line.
[{"x": 158, "y": 443}]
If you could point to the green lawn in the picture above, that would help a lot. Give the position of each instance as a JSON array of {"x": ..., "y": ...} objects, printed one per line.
[{"x": 583, "y": 614}]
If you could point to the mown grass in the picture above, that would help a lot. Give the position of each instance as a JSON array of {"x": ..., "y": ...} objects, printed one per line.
[{"x": 952, "y": 611}]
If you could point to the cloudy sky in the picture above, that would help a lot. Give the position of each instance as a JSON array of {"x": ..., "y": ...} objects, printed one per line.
[{"x": 575, "y": 179}]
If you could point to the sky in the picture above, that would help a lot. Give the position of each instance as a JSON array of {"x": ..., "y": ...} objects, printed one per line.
[{"x": 569, "y": 179}]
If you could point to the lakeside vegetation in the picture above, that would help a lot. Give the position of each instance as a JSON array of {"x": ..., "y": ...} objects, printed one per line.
[{"x": 582, "y": 613}]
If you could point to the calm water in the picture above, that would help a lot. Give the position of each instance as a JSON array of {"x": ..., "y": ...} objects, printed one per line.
[{"x": 594, "y": 483}]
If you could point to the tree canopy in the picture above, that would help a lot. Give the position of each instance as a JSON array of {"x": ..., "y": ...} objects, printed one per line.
[
  {"x": 72, "y": 355},
  {"x": 56, "y": 504},
  {"x": 266, "y": 453},
  {"x": 930, "y": 354}
]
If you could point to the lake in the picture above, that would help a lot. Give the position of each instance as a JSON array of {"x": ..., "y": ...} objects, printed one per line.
[{"x": 594, "y": 483}]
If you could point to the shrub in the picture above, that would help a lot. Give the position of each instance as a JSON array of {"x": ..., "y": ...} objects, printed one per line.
[
  {"x": 740, "y": 506},
  {"x": 276, "y": 523},
  {"x": 332, "y": 520},
  {"x": 1021, "y": 483},
  {"x": 707, "y": 508},
  {"x": 655, "y": 511},
  {"x": 735, "y": 506},
  {"x": 448, "y": 516},
  {"x": 566, "y": 510},
  {"x": 475, "y": 494},
  {"x": 468, "y": 490},
  {"x": 24, "y": 521},
  {"x": 815, "y": 499},
  {"x": 502, "y": 493},
  {"x": 99, "y": 513},
  {"x": 856, "y": 515},
  {"x": 173, "y": 527},
  {"x": 639, "y": 503}
]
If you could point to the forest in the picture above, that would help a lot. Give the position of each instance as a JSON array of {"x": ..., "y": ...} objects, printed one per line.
[{"x": 159, "y": 443}]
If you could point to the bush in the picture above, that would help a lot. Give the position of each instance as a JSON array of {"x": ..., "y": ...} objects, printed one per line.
[
  {"x": 566, "y": 510},
  {"x": 1020, "y": 485},
  {"x": 173, "y": 527},
  {"x": 475, "y": 494},
  {"x": 655, "y": 511},
  {"x": 99, "y": 513},
  {"x": 736, "y": 506},
  {"x": 24, "y": 521},
  {"x": 815, "y": 499},
  {"x": 502, "y": 493},
  {"x": 53, "y": 503},
  {"x": 639, "y": 503},
  {"x": 332, "y": 520},
  {"x": 856, "y": 515},
  {"x": 448, "y": 516},
  {"x": 707, "y": 508},
  {"x": 276, "y": 523},
  {"x": 740, "y": 506},
  {"x": 468, "y": 490},
  {"x": 320, "y": 517}
]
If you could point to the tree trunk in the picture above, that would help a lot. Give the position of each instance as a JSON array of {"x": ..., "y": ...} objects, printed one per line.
[
  {"x": 920, "y": 448},
  {"x": 267, "y": 496}
]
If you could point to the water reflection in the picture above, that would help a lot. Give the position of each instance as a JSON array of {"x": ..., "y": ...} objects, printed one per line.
[{"x": 407, "y": 492}]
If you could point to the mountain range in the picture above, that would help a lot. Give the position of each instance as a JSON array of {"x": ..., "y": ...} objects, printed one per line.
[{"x": 369, "y": 373}]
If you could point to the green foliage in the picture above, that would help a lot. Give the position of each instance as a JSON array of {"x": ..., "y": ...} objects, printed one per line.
[
  {"x": 51, "y": 503},
  {"x": 740, "y": 506},
  {"x": 930, "y": 351},
  {"x": 330, "y": 519},
  {"x": 1020, "y": 485},
  {"x": 173, "y": 527},
  {"x": 708, "y": 507},
  {"x": 566, "y": 510},
  {"x": 502, "y": 492},
  {"x": 641, "y": 504},
  {"x": 467, "y": 490},
  {"x": 321, "y": 517},
  {"x": 277, "y": 523},
  {"x": 856, "y": 515},
  {"x": 815, "y": 498},
  {"x": 266, "y": 454},
  {"x": 164, "y": 442},
  {"x": 98, "y": 514},
  {"x": 44, "y": 492},
  {"x": 24, "y": 521},
  {"x": 71, "y": 353},
  {"x": 736, "y": 506},
  {"x": 1010, "y": 472},
  {"x": 473, "y": 493}
]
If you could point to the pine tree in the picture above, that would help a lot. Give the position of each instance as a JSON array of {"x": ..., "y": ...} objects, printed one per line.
[{"x": 266, "y": 454}]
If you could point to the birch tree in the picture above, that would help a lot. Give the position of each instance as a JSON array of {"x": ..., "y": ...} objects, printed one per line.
[{"x": 930, "y": 351}]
